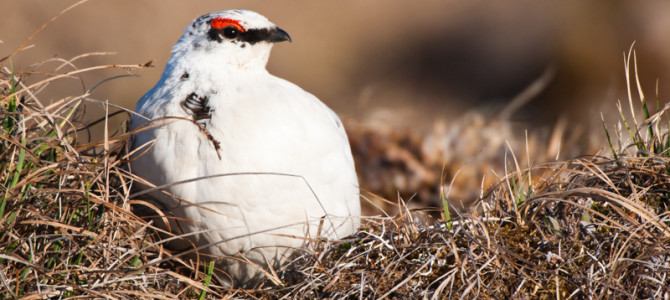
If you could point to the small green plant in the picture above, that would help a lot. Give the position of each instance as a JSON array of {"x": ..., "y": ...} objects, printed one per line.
[
  {"x": 445, "y": 209},
  {"x": 9, "y": 115},
  {"x": 657, "y": 140},
  {"x": 208, "y": 278}
]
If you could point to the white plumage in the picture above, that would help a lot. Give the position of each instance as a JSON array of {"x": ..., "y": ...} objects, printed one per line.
[{"x": 283, "y": 157}]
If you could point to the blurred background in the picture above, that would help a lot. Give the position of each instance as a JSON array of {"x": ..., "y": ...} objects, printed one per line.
[{"x": 424, "y": 86}]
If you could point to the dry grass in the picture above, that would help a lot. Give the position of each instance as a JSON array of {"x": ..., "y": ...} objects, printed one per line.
[
  {"x": 66, "y": 224},
  {"x": 585, "y": 231},
  {"x": 463, "y": 156},
  {"x": 591, "y": 227}
]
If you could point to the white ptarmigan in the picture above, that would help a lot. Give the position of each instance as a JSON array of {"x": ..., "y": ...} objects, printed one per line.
[{"x": 255, "y": 164}]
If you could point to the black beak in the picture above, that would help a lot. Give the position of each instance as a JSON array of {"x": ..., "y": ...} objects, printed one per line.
[{"x": 279, "y": 35}]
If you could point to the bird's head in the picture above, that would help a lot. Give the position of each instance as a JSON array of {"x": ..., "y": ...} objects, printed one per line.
[{"x": 237, "y": 38}]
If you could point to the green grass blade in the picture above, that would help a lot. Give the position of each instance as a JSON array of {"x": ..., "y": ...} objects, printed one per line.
[
  {"x": 208, "y": 279},
  {"x": 19, "y": 164},
  {"x": 609, "y": 140},
  {"x": 447, "y": 215}
]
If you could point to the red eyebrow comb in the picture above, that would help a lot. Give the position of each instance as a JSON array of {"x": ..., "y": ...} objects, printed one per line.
[{"x": 219, "y": 23}]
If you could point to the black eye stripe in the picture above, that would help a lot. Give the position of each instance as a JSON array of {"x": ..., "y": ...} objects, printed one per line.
[
  {"x": 215, "y": 35},
  {"x": 251, "y": 36},
  {"x": 230, "y": 32}
]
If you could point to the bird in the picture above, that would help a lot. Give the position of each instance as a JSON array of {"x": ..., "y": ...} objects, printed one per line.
[{"x": 252, "y": 167}]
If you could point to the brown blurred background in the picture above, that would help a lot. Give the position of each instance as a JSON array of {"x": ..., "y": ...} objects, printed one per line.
[
  {"x": 389, "y": 63},
  {"x": 426, "y": 58}
]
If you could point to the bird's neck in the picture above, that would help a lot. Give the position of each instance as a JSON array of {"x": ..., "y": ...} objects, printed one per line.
[
  {"x": 208, "y": 67},
  {"x": 252, "y": 58}
]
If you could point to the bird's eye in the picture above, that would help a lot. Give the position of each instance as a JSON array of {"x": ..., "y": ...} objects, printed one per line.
[{"x": 230, "y": 32}]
